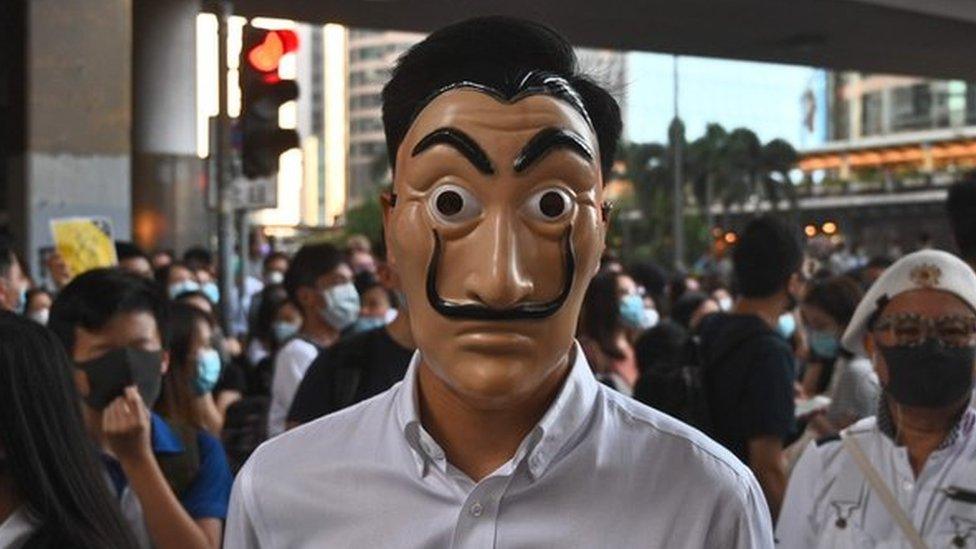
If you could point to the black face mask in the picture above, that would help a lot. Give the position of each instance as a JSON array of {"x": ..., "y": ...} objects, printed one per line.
[
  {"x": 929, "y": 375},
  {"x": 109, "y": 375}
]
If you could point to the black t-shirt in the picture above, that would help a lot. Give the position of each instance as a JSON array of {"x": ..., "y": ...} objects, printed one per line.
[
  {"x": 352, "y": 370},
  {"x": 749, "y": 374}
]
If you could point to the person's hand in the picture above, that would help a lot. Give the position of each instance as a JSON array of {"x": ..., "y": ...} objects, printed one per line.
[
  {"x": 125, "y": 424},
  {"x": 60, "y": 274}
]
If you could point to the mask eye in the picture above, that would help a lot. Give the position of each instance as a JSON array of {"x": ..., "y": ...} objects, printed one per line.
[
  {"x": 453, "y": 204},
  {"x": 552, "y": 204}
]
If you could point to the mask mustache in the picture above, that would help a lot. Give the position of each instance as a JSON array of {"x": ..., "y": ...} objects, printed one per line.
[{"x": 473, "y": 311}]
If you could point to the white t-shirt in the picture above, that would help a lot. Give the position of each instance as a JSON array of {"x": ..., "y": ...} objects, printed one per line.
[
  {"x": 17, "y": 529},
  {"x": 290, "y": 366}
]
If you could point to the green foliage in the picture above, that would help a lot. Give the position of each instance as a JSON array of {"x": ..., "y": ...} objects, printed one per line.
[{"x": 366, "y": 219}]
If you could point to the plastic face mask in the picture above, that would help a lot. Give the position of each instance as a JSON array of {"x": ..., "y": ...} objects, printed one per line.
[{"x": 495, "y": 234}]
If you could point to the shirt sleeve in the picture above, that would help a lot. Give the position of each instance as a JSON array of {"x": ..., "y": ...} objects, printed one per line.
[
  {"x": 742, "y": 519},
  {"x": 856, "y": 395},
  {"x": 209, "y": 493},
  {"x": 242, "y": 523},
  {"x": 313, "y": 399},
  {"x": 289, "y": 368},
  {"x": 769, "y": 406},
  {"x": 795, "y": 527}
]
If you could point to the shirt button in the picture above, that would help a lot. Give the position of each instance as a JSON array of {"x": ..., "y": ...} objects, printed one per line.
[{"x": 476, "y": 510}]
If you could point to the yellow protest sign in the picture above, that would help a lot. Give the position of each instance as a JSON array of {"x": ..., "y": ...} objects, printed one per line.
[{"x": 84, "y": 243}]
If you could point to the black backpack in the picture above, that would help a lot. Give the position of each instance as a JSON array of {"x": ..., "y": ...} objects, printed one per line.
[{"x": 677, "y": 387}]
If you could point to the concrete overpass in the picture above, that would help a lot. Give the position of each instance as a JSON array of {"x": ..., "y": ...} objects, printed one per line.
[{"x": 919, "y": 37}]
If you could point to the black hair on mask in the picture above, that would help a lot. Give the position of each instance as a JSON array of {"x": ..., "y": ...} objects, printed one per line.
[{"x": 506, "y": 57}]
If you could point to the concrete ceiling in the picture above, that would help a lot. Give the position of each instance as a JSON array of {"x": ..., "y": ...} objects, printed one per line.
[{"x": 933, "y": 38}]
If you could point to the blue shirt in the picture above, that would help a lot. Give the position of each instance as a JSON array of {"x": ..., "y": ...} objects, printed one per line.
[{"x": 206, "y": 497}]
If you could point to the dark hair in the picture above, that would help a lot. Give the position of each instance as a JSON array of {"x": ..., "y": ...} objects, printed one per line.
[
  {"x": 197, "y": 258},
  {"x": 879, "y": 262},
  {"x": 7, "y": 256},
  {"x": 600, "y": 317},
  {"x": 652, "y": 277},
  {"x": 49, "y": 457},
  {"x": 837, "y": 296},
  {"x": 767, "y": 254},
  {"x": 365, "y": 281},
  {"x": 505, "y": 55},
  {"x": 36, "y": 291},
  {"x": 311, "y": 262},
  {"x": 272, "y": 257},
  {"x": 272, "y": 298},
  {"x": 961, "y": 207},
  {"x": 128, "y": 250},
  {"x": 660, "y": 346},
  {"x": 161, "y": 275},
  {"x": 176, "y": 399},
  {"x": 685, "y": 306},
  {"x": 93, "y": 298}
]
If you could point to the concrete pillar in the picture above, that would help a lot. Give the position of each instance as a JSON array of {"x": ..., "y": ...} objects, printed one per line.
[
  {"x": 168, "y": 179},
  {"x": 71, "y": 155}
]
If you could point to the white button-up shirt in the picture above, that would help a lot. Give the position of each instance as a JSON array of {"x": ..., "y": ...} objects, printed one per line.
[
  {"x": 830, "y": 504},
  {"x": 599, "y": 470}
]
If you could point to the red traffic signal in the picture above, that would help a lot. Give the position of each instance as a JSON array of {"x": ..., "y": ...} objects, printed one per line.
[{"x": 266, "y": 55}]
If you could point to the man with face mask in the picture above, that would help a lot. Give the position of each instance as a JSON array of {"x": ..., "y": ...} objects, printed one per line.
[
  {"x": 172, "y": 481},
  {"x": 903, "y": 478},
  {"x": 318, "y": 282},
  {"x": 499, "y": 435}
]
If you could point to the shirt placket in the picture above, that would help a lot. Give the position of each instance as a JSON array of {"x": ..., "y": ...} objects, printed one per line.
[{"x": 477, "y": 523}]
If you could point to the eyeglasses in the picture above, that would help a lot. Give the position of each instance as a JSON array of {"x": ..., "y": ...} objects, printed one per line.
[{"x": 911, "y": 329}]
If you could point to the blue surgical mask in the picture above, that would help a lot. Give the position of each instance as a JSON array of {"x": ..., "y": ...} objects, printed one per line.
[
  {"x": 787, "y": 325},
  {"x": 208, "y": 371},
  {"x": 632, "y": 311},
  {"x": 21, "y": 305},
  {"x": 179, "y": 288},
  {"x": 366, "y": 323},
  {"x": 283, "y": 331},
  {"x": 341, "y": 306},
  {"x": 212, "y": 291},
  {"x": 824, "y": 344}
]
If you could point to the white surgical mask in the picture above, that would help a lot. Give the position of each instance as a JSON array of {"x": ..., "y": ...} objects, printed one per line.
[
  {"x": 651, "y": 317},
  {"x": 275, "y": 277},
  {"x": 725, "y": 303},
  {"x": 40, "y": 316},
  {"x": 341, "y": 305}
]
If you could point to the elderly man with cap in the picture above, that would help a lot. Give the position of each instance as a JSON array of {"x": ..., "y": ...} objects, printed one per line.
[{"x": 906, "y": 477}]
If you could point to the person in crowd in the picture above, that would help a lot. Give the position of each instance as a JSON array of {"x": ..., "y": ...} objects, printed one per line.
[
  {"x": 902, "y": 478},
  {"x": 722, "y": 297},
  {"x": 172, "y": 483},
  {"x": 199, "y": 300},
  {"x": 176, "y": 279},
  {"x": 194, "y": 369},
  {"x": 499, "y": 431},
  {"x": 52, "y": 493},
  {"x": 359, "y": 253},
  {"x": 961, "y": 210},
  {"x": 162, "y": 258},
  {"x": 358, "y": 367},
  {"x": 208, "y": 285},
  {"x": 689, "y": 310},
  {"x": 267, "y": 331},
  {"x": 873, "y": 270},
  {"x": 274, "y": 267},
  {"x": 38, "y": 306},
  {"x": 749, "y": 365},
  {"x": 198, "y": 258},
  {"x": 658, "y": 348},
  {"x": 133, "y": 259},
  {"x": 376, "y": 302},
  {"x": 654, "y": 279},
  {"x": 13, "y": 281},
  {"x": 613, "y": 316},
  {"x": 319, "y": 282}
]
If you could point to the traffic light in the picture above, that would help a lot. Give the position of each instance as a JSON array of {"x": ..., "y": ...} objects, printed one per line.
[{"x": 262, "y": 93}]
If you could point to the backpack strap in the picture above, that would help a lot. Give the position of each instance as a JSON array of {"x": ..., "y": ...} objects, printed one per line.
[{"x": 181, "y": 469}]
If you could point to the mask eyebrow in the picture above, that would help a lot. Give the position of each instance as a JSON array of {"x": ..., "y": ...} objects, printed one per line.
[
  {"x": 461, "y": 142},
  {"x": 549, "y": 139}
]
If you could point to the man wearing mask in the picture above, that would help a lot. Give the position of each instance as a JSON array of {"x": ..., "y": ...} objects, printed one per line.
[
  {"x": 172, "y": 482},
  {"x": 903, "y": 478},
  {"x": 319, "y": 282},
  {"x": 499, "y": 435},
  {"x": 13, "y": 281},
  {"x": 749, "y": 364}
]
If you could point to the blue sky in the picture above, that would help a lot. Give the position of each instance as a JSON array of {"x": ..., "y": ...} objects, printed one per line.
[{"x": 761, "y": 96}]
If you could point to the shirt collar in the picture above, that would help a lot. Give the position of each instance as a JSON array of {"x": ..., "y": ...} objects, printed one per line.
[
  {"x": 565, "y": 416},
  {"x": 961, "y": 431}
]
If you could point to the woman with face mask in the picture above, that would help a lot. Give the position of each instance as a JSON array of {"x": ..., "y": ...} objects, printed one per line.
[
  {"x": 612, "y": 318},
  {"x": 277, "y": 321},
  {"x": 52, "y": 492},
  {"x": 905, "y": 476},
  {"x": 194, "y": 370}
]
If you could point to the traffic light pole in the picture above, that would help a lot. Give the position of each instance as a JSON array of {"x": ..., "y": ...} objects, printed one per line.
[{"x": 225, "y": 207}]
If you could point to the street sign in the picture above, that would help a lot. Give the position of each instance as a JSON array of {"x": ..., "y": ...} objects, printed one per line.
[{"x": 255, "y": 194}]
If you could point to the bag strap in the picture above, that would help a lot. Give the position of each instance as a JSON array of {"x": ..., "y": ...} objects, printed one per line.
[{"x": 881, "y": 489}]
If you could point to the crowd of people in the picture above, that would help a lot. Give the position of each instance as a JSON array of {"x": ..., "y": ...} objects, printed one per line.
[{"x": 129, "y": 405}]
